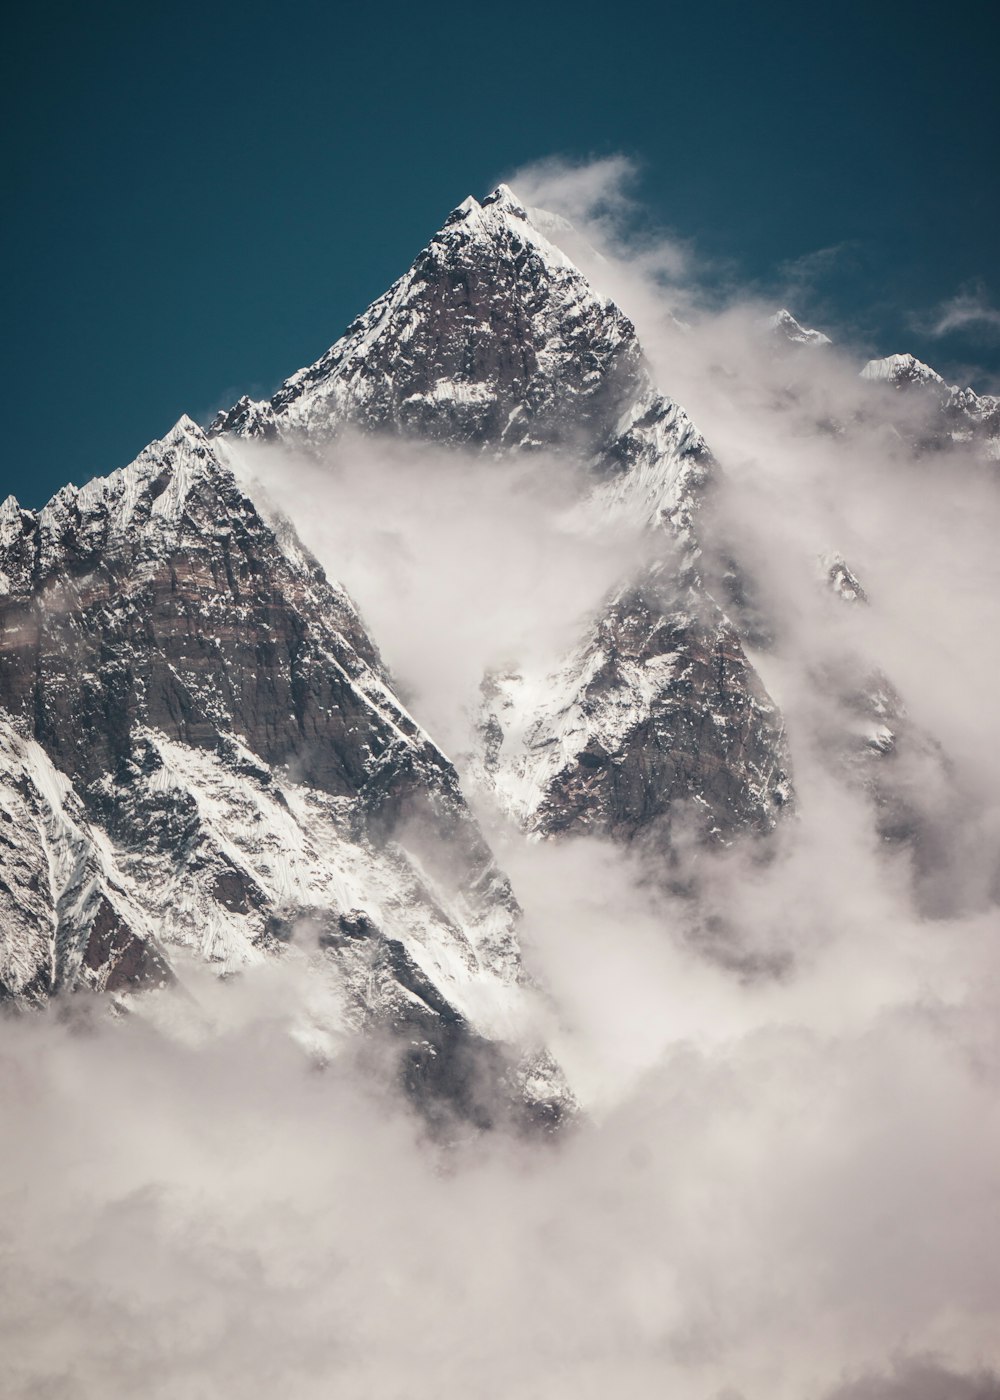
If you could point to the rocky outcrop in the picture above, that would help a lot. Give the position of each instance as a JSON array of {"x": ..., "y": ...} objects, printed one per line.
[
  {"x": 66, "y": 917},
  {"x": 658, "y": 716},
  {"x": 938, "y": 415}
]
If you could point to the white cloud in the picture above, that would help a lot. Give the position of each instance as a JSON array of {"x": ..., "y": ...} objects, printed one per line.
[
  {"x": 968, "y": 309},
  {"x": 580, "y": 191}
]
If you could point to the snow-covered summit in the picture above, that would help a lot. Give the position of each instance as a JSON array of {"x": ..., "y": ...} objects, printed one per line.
[
  {"x": 150, "y": 493},
  {"x": 784, "y": 325},
  {"x": 495, "y": 339},
  {"x": 503, "y": 198},
  {"x": 900, "y": 370},
  {"x": 955, "y": 414},
  {"x": 492, "y": 336},
  {"x": 181, "y": 486}
]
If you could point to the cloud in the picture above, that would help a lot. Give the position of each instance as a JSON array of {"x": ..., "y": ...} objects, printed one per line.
[
  {"x": 581, "y": 191},
  {"x": 795, "y": 1181},
  {"x": 921, "y": 1378},
  {"x": 810, "y": 268},
  {"x": 969, "y": 309},
  {"x": 460, "y": 563},
  {"x": 607, "y": 239}
]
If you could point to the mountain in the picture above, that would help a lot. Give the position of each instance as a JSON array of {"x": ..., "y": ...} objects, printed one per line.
[
  {"x": 206, "y": 759},
  {"x": 494, "y": 340},
  {"x": 871, "y": 741},
  {"x": 784, "y": 328},
  {"x": 949, "y": 415},
  {"x": 205, "y": 756}
]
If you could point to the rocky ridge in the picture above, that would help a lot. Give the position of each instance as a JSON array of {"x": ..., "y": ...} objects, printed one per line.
[
  {"x": 495, "y": 341},
  {"x": 206, "y": 757}
]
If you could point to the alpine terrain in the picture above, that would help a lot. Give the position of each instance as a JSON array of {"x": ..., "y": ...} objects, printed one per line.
[{"x": 204, "y": 757}]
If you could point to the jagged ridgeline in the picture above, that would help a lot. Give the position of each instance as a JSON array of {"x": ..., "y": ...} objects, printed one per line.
[
  {"x": 205, "y": 758},
  {"x": 495, "y": 339},
  {"x": 204, "y": 753}
]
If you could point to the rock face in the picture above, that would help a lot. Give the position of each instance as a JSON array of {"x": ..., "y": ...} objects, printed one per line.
[
  {"x": 158, "y": 596},
  {"x": 658, "y": 715},
  {"x": 495, "y": 340},
  {"x": 204, "y": 752},
  {"x": 492, "y": 337},
  {"x": 66, "y": 921}
]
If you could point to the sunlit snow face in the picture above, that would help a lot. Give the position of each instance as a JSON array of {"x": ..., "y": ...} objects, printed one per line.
[{"x": 783, "y": 1186}]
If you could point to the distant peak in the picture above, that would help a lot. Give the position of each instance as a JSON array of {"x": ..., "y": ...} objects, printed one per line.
[
  {"x": 784, "y": 324},
  {"x": 900, "y": 370}
]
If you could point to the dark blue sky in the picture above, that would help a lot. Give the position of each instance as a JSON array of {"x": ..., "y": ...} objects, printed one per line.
[{"x": 201, "y": 197}]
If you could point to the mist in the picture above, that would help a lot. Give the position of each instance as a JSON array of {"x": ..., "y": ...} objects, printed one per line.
[{"x": 779, "y": 1185}]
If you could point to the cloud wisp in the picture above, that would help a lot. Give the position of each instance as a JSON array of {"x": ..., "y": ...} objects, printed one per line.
[{"x": 968, "y": 309}]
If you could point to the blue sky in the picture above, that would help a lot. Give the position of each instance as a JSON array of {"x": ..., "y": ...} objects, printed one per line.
[{"x": 201, "y": 197}]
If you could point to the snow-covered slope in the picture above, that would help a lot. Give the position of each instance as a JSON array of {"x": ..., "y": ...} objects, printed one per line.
[
  {"x": 203, "y": 739},
  {"x": 67, "y": 917},
  {"x": 784, "y": 327},
  {"x": 657, "y": 715}
]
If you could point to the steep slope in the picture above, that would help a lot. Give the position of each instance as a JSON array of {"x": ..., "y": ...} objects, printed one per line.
[
  {"x": 210, "y": 745},
  {"x": 66, "y": 917},
  {"x": 658, "y": 715},
  {"x": 494, "y": 340},
  {"x": 492, "y": 337}
]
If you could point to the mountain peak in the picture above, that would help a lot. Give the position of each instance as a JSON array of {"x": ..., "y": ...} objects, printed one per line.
[
  {"x": 145, "y": 500},
  {"x": 185, "y": 428},
  {"x": 504, "y": 199},
  {"x": 784, "y": 325},
  {"x": 492, "y": 336},
  {"x": 900, "y": 370}
]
